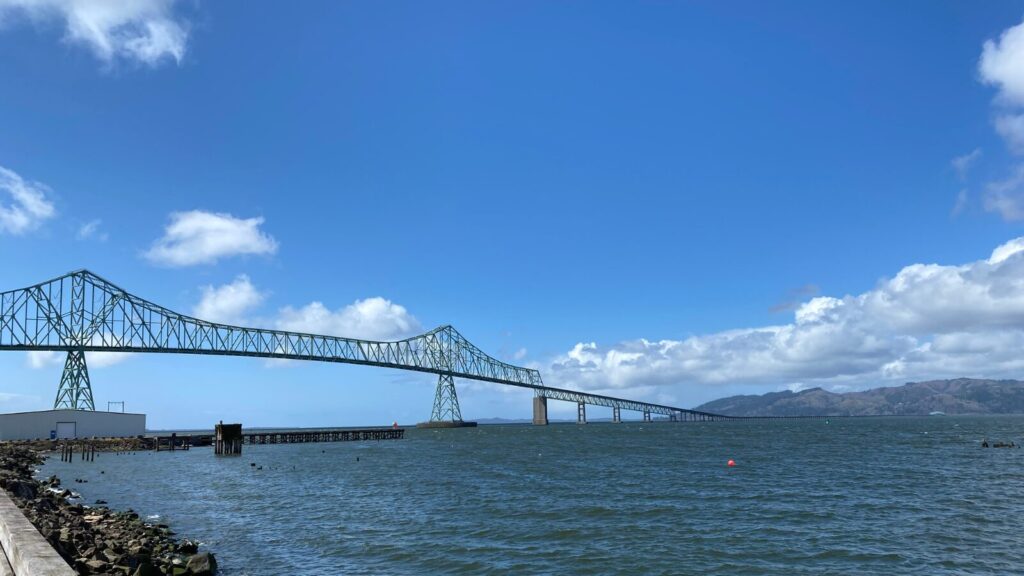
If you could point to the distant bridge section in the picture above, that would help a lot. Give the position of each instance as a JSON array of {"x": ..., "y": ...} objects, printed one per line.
[{"x": 82, "y": 312}]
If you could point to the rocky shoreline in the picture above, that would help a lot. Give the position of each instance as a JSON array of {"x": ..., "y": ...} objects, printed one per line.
[{"x": 94, "y": 539}]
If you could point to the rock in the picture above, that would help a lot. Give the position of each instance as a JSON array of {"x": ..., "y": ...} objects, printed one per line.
[
  {"x": 21, "y": 488},
  {"x": 111, "y": 556},
  {"x": 202, "y": 564},
  {"x": 146, "y": 569},
  {"x": 96, "y": 566},
  {"x": 187, "y": 547}
]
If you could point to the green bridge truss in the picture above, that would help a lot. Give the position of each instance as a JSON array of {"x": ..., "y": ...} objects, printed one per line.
[{"x": 82, "y": 312}]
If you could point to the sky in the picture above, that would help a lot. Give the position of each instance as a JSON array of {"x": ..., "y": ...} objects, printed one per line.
[{"x": 672, "y": 201}]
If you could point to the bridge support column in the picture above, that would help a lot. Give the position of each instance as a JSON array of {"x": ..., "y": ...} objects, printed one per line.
[
  {"x": 674, "y": 417},
  {"x": 75, "y": 391},
  {"x": 647, "y": 415},
  {"x": 446, "y": 401},
  {"x": 540, "y": 411},
  {"x": 581, "y": 413},
  {"x": 616, "y": 415}
]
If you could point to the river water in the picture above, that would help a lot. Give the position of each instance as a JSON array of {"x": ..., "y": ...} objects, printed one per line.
[{"x": 845, "y": 496}]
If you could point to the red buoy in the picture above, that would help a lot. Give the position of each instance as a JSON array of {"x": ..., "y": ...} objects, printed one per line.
[{"x": 730, "y": 463}]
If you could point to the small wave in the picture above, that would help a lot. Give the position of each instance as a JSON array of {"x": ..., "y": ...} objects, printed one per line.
[{"x": 153, "y": 517}]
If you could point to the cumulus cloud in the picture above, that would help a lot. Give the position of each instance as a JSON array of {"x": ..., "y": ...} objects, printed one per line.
[
  {"x": 198, "y": 237},
  {"x": 928, "y": 320},
  {"x": 1002, "y": 65},
  {"x": 144, "y": 31},
  {"x": 24, "y": 205},
  {"x": 370, "y": 319},
  {"x": 228, "y": 303}
]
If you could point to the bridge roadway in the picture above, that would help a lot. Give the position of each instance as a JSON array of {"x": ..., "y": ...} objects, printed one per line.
[{"x": 82, "y": 312}]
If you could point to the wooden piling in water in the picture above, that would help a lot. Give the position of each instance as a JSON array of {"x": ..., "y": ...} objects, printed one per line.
[{"x": 227, "y": 439}]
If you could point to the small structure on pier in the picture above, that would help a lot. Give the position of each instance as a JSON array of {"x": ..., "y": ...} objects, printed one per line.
[{"x": 227, "y": 439}]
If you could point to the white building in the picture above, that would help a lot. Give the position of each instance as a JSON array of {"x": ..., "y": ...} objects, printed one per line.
[{"x": 70, "y": 424}]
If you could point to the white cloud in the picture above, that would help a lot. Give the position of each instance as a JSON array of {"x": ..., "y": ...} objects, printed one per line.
[
  {"x": 1011, "y": 128},
  {"x": 23, "y": 205},
  {"x": 198, "y": 237},
  {"x": 228, "y": 303},
  {"x": 90, "y": 230},
  {"x": 520, "y": 354},
  {"x": 44, "y": 358},
  {"x": 369, "y": 319},
  {"x": 104, "y": 359},
  {"x": 962, "y": 164},
  {"x": 144, "y": 31},
  {"x": 1002, "y": 65},
  {"x": 1007, "y": 196},
  {"x": 927, "y": 321}
]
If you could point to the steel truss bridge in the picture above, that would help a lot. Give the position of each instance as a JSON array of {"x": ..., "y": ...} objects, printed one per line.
[{"x": 82, "y": 312}]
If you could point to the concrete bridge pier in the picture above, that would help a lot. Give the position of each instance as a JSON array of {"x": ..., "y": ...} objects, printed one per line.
[
  {"x": 540, "y": 410},
  {"x": 581, "y": 413},
  {"x": 674, "y": 417},
  {"x": 616, "y": 415},
  {"x": 647, "y": 415}
]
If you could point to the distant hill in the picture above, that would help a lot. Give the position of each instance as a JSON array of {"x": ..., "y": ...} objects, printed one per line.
[{"x": 959, "y": 396}]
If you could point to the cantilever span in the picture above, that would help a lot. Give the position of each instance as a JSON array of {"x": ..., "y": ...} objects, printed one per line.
[{"x": 82, "y": 312}]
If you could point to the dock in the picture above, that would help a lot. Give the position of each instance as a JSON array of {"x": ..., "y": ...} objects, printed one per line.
[{"x": 186, "y": 441}]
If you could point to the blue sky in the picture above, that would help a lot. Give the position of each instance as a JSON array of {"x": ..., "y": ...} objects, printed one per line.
[{"x": 669, "y": 201}]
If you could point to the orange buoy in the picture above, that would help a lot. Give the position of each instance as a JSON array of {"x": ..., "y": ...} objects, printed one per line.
[
  {"x": 730, "y": 463},
  {"x": 394, "y": 424}
]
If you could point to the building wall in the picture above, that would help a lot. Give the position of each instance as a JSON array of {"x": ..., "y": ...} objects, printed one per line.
[{"x": 32, "y": 425}]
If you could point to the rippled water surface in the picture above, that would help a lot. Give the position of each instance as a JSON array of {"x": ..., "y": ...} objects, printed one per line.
[{"x": 851, "y": 496}]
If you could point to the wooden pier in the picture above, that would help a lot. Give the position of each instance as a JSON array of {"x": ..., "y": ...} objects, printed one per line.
[
  {"x": 300, "y": 436},
  {"x": 233, "y": 444}
]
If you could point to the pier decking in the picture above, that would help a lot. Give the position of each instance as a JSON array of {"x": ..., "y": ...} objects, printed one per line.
[{"x": 186, "y": 441}]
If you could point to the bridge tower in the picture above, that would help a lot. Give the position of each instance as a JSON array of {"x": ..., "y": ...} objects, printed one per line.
[
  {"x": 75, "y": 391},
  {"x": 446, "y": 401}
]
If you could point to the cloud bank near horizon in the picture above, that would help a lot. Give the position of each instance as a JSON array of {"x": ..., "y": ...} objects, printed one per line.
[{"x": 926, "y": 321}]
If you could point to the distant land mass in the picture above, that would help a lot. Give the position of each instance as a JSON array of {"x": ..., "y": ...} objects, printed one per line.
[{"x": 958, "y": 396}]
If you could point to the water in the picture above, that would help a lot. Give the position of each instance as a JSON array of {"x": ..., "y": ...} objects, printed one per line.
[{"x": 853, "y": 496}]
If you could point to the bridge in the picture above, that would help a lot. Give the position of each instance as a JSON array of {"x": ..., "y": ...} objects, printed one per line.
[{"x": 81, "y": 312}]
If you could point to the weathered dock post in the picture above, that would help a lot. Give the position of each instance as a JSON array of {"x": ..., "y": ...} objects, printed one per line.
[
  {"x": 540, "y": 410},
  {"x": 581, "y": 413},
  {"x": 227, "y": 439},
  {"x": 616, "y": 415}
]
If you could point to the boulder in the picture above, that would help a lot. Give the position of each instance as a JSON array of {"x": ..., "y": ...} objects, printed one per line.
[
  {"x": 187, "y": 546},
  {"x": 21, "y": 489},
  {"x": 202, "y": 564},
  {"x": 146, "y": 569},
  {"x": 96, "y": 566}
]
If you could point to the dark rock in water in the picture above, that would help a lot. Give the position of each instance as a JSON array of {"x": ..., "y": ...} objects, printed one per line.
[
  {"x": 187, "y": 547},
  {"x": 202, "y": 564}
]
